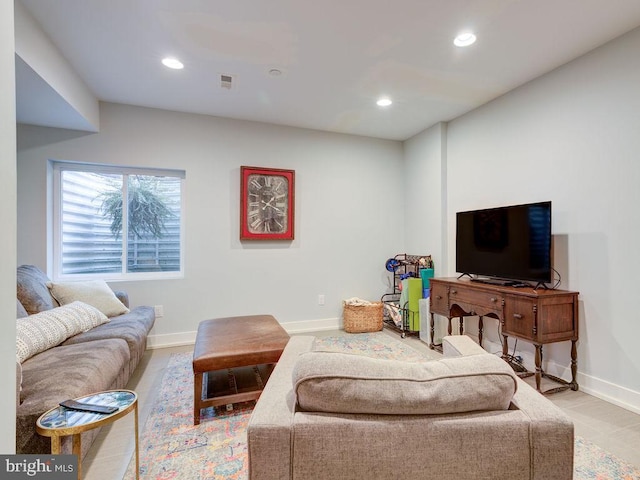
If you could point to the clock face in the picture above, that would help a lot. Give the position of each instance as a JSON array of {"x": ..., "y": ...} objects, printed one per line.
[{"x": 267, "y": 203}]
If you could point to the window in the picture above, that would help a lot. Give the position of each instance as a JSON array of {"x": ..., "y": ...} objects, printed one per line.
[{"x": 95, "y": 233}]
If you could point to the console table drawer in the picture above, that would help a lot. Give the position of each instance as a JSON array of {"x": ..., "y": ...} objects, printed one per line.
[
  {"x": 544, "y": 320},
  {"x": 519, "y": 318},
  {"x": 439, "y": 299},
  {"x": 479, "y": 298}
]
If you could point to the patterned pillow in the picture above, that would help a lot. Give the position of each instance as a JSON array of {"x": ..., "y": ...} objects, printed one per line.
[
  {"x": 42, "y": 331},
  {"x": 93, "y": 292}
]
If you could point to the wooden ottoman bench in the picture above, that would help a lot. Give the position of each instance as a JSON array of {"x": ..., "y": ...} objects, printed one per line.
[{"x": 233, "y": 358}]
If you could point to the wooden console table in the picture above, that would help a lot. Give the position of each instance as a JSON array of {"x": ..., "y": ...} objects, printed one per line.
[{"x": 537, "y": 316}]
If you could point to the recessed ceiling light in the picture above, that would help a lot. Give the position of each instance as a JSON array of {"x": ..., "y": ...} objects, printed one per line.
[
  {"x": 275, "y": 72},
  {"x": 384, "y": 102},
  {"x": 464, "y": 39},
  {"x": 172, "y": 63}
]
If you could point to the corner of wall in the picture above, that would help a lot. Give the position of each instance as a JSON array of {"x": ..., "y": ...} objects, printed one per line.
[{"x": 44, "y": 68}]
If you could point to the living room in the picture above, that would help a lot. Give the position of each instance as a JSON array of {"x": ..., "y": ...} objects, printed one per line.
[{"x": 569, "y": 136}]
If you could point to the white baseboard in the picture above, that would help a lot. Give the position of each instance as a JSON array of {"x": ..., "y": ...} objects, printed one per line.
[
  {"x": 306, "y": 326},
  {"x": 189, "y": 338},
  {"x": 171, "y": 340},
  {"x": 609, "y": 392}
]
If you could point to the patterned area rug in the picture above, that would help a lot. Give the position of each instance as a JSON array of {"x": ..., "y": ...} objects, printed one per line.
[{"x": 171, "y": 447}]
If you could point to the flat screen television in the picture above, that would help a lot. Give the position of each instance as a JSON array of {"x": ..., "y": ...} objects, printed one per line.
[{"x": 505, "y": 243}]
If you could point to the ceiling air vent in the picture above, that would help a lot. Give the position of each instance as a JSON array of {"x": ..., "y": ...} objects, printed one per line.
[{"x": 226, "y": 81}]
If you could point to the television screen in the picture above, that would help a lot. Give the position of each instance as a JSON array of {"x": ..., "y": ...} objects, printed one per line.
[{"x": 512, "y": 242}]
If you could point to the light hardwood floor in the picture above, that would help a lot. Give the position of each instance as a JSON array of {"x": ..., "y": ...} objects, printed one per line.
[{"x": 611, "y": 427}]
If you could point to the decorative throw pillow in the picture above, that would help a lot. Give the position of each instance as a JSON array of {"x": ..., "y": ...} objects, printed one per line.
[
  {"x": 42, "y": 331},
  {"x": 93, "y": 292},
  {"x": 32, "y": 289}
]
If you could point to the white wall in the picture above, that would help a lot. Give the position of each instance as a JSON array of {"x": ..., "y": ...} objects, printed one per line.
[
  {"x": 425, "y": 194},
  {"x": 572, "y": 137},
  {"x": 8, "y": 221},
  {"x": 425, "y": 159},
  {"x": 348, "y": 218}
]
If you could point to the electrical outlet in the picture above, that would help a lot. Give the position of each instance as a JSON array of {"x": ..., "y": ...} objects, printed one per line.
[
  {"x": 159, "y": 309},
  {"x": 321, "y": 299}
]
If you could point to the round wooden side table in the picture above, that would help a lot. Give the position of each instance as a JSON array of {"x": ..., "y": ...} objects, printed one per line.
[{"x": 61, "y": 422}]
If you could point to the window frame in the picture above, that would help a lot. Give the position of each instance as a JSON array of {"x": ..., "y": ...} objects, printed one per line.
[{"x": 54, "y": 230}]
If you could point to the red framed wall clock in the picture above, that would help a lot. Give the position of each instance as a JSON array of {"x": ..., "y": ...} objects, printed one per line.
[{"x": 267, "y": 198}]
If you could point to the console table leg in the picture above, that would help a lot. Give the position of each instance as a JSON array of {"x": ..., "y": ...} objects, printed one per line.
[
  {"x": 461, "y": 325},
  {"x": 538, "y": 366},
  {"x": 574, "y": 365},
  {"x": 480, "y": 328},
  {"x": 449, "y": 326},
  {"x": 505, "y": 347},
  {"x": 432, "y": 331}
]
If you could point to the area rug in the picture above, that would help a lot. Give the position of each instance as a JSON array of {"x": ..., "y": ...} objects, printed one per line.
[{"x": 171, "y": 447}]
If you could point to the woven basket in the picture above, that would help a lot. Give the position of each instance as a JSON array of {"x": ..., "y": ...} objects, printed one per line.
[{"x": 362, "y": 318}]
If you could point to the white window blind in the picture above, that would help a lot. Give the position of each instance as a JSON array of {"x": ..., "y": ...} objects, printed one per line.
[{"x": 95, "y": 233}]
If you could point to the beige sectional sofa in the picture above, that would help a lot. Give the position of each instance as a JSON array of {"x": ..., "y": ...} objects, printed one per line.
[
  {"x": 467, "y": 416},
  {"x": 98, "y": 348}
]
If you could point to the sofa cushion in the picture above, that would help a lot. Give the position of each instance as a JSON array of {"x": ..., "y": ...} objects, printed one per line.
[
  {"x": 460, "y": 345},
  {"x": 344, "y": 383},
  {"x": 93, "y": 292},
  {"x": 42, "y": 331},
  {"x": 132, "y": 327},
  {"x": 32, "y": 289},
  {"x": 62, "y": 373}
]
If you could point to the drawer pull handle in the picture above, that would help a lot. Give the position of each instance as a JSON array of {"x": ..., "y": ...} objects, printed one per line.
[
  {"x": 517, "y": 316},
  {"x": 494, "y": 299},
  {"x": 438, "y": 297},
  {"x": 453, "y": 292}
]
